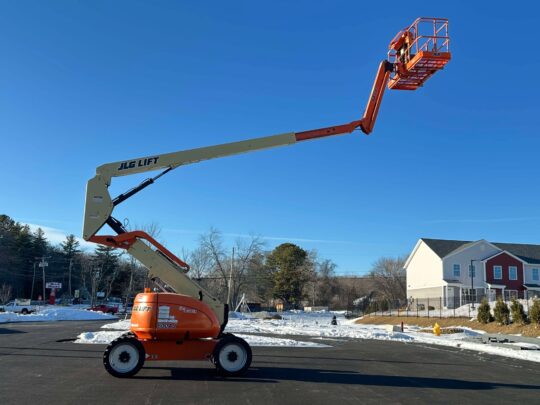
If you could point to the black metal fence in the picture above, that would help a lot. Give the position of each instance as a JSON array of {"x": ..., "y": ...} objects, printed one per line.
[{"x": 465, "y": 305}]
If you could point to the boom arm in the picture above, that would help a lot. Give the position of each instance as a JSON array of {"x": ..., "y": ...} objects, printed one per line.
[{"x": 161, "y": 262}]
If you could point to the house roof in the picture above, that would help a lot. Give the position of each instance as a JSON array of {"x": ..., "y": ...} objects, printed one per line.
[
  {"x": 443, "y": 247},
  {"x": 527, "y": 253}
]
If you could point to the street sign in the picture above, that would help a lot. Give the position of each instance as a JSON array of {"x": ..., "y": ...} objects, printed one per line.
[
  {"x": 100, "y": 294},
  {"x": 76, "y": 294},
  {"x": 52, "y": 284},
  {"x": 43, "y": 264}
]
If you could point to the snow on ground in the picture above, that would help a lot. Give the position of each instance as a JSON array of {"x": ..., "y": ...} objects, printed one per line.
[
  {"x": 100, "y": 337},
  {"x": 316, "y": 326},
  {"x": 103, "y": 337},
  {"x": 52, "y": 313}
]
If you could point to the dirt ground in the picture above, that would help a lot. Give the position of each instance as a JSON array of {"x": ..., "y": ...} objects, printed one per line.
[{"x": 493, "y": 327}]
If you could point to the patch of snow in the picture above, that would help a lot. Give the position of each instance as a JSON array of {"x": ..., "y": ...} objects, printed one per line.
[
  {"x": 98, "y": 337},
  {"x": 120, "y": 325},
  {"x": 55, "y": 314}
]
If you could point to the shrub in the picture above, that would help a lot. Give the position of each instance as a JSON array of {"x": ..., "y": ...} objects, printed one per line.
[
  {"x": 534, "y": 312},
  {"x": 484, "y": 313},
  {"x": 502, "y": 313},
  {"x": 518, "y": 313}
]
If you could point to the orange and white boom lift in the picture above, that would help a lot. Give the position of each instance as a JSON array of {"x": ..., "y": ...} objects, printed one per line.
[{"x": 188, "y": 323}]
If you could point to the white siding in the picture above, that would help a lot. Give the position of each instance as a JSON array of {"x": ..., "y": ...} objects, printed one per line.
[
  {"x": 479, "y": 251},
  {"x": 424, "y": 269},
  {"x": 528, "y": 273}
]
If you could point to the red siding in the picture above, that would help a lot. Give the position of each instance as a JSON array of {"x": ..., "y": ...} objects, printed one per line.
[{"x": 505, "y": 261}]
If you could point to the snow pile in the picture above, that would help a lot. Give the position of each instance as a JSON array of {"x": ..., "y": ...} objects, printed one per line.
[
  {"x": 120, "y": 325},
  {"x": 52, "y": 313},
  {"x": 99, "y": 337}
]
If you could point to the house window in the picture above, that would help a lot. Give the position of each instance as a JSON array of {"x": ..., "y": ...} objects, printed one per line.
[
  {"x": 497, "y": 272},
  {"x": 457, "y": 270},
  {"x": 535, "y": 276},
  {"x": 512, "y": 273},
  {"x": 472, "y": 271}
]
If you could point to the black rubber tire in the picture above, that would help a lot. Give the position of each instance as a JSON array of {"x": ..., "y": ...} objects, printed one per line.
[
  {"x": 25, "y": 311},
  {"x": 236, "y": 348},
  {"x": 128, "y": 340}
]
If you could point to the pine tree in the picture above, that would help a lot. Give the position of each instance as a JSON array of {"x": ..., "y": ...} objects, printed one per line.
[
  {"x": 70, "y": 247},
  {"x": 287, "y": 261},
  {"x": 484, "y": 314},
  {"x": 502, "y": 313},
  {"x": 534, "y": 312},
  {"x": 518, "y": 313},
  {"x": 39, "y": 243},
  {"x": 107, "y": 258}
]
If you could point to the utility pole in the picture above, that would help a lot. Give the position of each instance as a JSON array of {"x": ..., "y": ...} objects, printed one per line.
[
  {"x": 230, "y": 280},
  {"x": 473, "y": 274},
  {"x": 70, "y": 264},
  {"x": 33, "y": 280},
  {"x": 43, "y": 264}
]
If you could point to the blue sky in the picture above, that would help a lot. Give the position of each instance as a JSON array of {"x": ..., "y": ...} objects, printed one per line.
[{"x": 86, "y": 83}]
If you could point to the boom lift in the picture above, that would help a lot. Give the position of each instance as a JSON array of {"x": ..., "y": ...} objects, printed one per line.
[{"x": 183, "y": 321}]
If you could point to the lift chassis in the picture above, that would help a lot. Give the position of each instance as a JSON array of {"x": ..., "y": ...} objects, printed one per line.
[{"x": 183, "y": 321}]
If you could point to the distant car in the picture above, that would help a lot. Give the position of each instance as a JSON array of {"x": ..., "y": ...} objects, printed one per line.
[
  {"x": 24, "y": 307},
  {"x": 108, "y": 309}
]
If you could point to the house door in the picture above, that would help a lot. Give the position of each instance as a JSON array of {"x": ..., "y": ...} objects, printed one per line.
[
  {"x": 452, "y": 297},
  {"x": 492, "y": 295}
]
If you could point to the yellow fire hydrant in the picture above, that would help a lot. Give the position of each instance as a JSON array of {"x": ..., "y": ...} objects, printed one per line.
[{"x": 436, "y": 329}]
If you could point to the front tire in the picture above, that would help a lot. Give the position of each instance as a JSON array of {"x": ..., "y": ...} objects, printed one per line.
[
  {"x": 232, "y": 356},
  {"x": 124, "y": 357}
]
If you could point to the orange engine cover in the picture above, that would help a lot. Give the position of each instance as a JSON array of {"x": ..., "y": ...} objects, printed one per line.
[{"x": 167, "y": 316}]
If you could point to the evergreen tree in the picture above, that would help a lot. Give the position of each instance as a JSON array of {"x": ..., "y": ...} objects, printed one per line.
[
  {"x": 70, "y": 247},
  {"x": 534, "y": 312},
  {"x": 502, "y": 313},
  {"x": 288, "y": 263},
  {"x": 484, "y": 314},
  {"x": 39, "y": 243},
  {"x": 518, "y": 313},
  {"x": 107, "y": 261}
]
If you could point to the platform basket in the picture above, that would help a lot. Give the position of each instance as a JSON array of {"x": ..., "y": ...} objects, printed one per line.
[{"x": 418, "y": 52}]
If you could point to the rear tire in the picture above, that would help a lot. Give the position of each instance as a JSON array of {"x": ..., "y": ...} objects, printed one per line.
[
  {"x": 124, "y": 357},
  {"x": 25, "y": 311},
  {"x": 232, "y": 356}
]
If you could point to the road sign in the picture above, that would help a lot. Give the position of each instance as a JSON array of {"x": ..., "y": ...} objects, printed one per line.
[
  {"x": 76, "y": 294},
  {"x": 43, "y": 264},
  {"x": 52, "y": 284},
  {"x": 100, "y": 294}
]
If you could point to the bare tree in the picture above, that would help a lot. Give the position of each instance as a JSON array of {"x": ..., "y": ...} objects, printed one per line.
[
  {"x": 227, "y": 273},
  {"x": 5, "y": 293},
  {"x": 245, "y": 252},
  {"x": 388, "y": 274},
  {"x": 200, "y": 262}
]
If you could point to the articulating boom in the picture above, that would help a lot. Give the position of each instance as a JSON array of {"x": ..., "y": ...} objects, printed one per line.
[{"x": 413, "y": 59}]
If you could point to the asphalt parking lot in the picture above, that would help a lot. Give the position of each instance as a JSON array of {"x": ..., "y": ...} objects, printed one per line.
[{"x": 39, "y": 364}]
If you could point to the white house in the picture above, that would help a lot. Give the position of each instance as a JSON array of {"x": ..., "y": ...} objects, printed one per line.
[{"x": 461, "y": 271}]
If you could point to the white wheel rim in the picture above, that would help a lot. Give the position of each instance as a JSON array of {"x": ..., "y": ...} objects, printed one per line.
[
  {"x": 123, "y": 357},
  {"x": 232, "y": 357}
]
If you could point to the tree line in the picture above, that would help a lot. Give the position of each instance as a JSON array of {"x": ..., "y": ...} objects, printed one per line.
[{"x": 244, "y": 272}]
